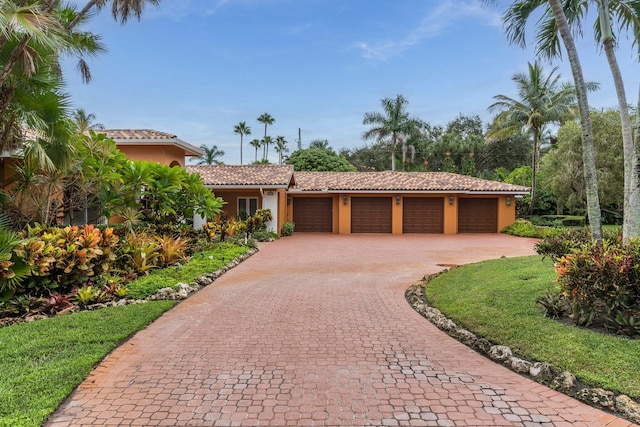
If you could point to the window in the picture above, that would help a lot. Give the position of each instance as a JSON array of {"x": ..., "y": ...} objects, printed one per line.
[{"x": 247, "y": 206}]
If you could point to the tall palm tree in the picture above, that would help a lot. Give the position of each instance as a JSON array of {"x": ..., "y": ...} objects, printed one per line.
[
  {"x": 266, "y": 119},
  {"x": 266, "y": 142},
  {"x": 242, "y": 129},
  {"x": 626, "y": 15},
  {"x": 392, "y": 123},
  {"x": 256, "y": 143},
  {"x": 210, "y": 155},
  {"x": 517, "y": 35},
  {"x": 281, "y": 148},
  {"x": 542, "y": 100}
]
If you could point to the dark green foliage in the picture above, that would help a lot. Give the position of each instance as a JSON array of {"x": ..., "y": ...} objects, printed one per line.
[
  {"x": 319, "y": 159},
  {"x": 561, "y": 244},
  {"x": 525, "y": 228}
]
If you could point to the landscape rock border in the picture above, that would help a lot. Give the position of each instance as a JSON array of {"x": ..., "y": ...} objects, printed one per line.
[{"x": 543, "y": 373}]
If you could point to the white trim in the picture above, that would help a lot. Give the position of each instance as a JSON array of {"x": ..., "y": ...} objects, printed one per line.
[
  {"x": 465, "y": 192},
  {"x": 245, "y": 187}
]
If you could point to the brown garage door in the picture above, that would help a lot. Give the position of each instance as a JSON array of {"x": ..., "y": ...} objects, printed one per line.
[
  {"x": 477, "y": 215},
  {"x": 423, "y": 215},
  {"x": 313, "y": 214},
  {"x": 371, "y": 214}
]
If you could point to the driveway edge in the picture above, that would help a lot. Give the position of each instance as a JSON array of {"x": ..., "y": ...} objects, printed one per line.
[{"x": 540, "y": 372}]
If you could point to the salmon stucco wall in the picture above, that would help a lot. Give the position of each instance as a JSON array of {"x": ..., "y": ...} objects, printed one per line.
[
  {"x": 231, "y": 199},
  {"x": 164, "y": 154},
  {"x": 506, "y": 212}
]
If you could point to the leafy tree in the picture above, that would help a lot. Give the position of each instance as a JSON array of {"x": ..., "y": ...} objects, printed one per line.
[
  {"x": 561, "y": 25},
  {"x": 319, "y": 143},
  {"x": 625, "y": 15},
  {"x": 562, "y": 166},
  {"x": 242, "y": 129},
  {"x": 319, "y": 159},
  {"x": 373, "y": 157},
  {"x": 393, "y": 123},
  {"x": 542, "y": 100},
  {"x": 267, "y": 120},
  {"x": 210, "y": 156},
  {"x": 466, "y": 126},
  {"x": 281, "y": 148}
]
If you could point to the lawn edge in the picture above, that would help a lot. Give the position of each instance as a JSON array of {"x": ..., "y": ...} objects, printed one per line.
[{"x": 540, "y": 372}]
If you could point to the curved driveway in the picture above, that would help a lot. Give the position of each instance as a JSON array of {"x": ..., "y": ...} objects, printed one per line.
[{"x": 315, "y": 330}]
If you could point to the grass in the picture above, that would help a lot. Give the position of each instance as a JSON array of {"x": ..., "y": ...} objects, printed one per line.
[
  {"x": 42, "y": 362},
  {"x": 202, "y": 262},
  {"x": 497, "y": 300}
]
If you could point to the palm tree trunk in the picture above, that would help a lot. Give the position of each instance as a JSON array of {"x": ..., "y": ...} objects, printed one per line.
[
  {"x": 393, "y": 153},
  {"x": 534, "y": 168},
  {"x": 588, "y": 146},
  {"x": 631, "y": 221},
  {"x": 240, "y": 149},
  {"x": 87, "y": 7}
]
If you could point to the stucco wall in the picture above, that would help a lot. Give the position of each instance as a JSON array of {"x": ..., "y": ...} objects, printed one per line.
[{"x": 164, "y": 154}]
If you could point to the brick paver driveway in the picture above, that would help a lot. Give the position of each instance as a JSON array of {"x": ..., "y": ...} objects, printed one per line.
[{"x": 315, "y": 330}]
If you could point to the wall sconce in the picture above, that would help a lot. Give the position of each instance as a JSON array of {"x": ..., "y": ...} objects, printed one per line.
[
  {"x": 508, "y": 200},
  {"x": 345, "y": 199},
  {"x": 288, "y": 200},
  {"x": 397, "y": 200},
  {"x": 451, "y": 199}
]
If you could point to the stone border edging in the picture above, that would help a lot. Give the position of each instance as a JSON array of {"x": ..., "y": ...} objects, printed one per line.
[{"x": 541, "y": 372}]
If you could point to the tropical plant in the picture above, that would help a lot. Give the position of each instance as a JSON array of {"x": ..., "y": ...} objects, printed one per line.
[
  {"x": 267, "y": 120},
  {"x": 542, "y": 100},
  {"x": 242, "y": 129},
  {"x": 319, "y": 159},
  {"x": 281, "y": 148},
  {"x": 266, "y": 142},
  {"x": 393, "y": 123},
  {"x": 84, "y": 121},
  {"x": 516, "y": 34},
  {"x": 256, "y": 143},
  {"x": 210, "y": 156},
  {"x": 172, "y": 249},
  {"x": 624, "y": 15}
]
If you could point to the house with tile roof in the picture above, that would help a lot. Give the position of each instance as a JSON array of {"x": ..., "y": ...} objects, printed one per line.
[
  {"x": 365, "y": 202},
  {"x": 152, "y": 145}
]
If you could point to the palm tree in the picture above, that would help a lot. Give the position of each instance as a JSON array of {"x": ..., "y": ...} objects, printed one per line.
[
  {"x": 210, "y": 155},
  {"x": 626, "y": 13},
  {"x": 517, "y": 35},
  {"x": 242, "y": 129},
  {"x": 542, "y": 100},
  {"x": 267, "y": 120},
  {"x": 256, "y": 143},
  {"x": 393, "y": 123},
  {"x": 85, "y": 122},
  {"x": 281, "y": 147},
  {"x": 266, "y": 142}
]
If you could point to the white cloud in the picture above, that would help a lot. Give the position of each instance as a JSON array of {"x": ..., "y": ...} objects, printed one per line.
[{"x": 435, "y": 22}]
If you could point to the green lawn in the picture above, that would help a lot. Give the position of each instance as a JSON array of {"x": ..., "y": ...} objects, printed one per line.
[
  {"x": 42, "y": 362},
  {"x": 497, "y": 300}
]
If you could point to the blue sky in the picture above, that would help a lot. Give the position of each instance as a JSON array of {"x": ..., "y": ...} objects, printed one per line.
[{"x": 196, "y": 68}]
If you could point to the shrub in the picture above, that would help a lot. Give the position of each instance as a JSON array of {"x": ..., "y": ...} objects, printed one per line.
[
  {"x": 561, "y": 243},
  {"x": 601, "y": 281},
  {"x": 64, "y": 258},
  {"x": 287, "y": 228},
  {"x": 525, "y": 228}
]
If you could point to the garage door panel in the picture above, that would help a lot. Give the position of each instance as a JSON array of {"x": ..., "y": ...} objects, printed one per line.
[
  {"x": 478, "y": 215},
  {"x": 313, "y": 214},
  {"x": 371, "y": 214},
  {"x": 423, "y": 215}
]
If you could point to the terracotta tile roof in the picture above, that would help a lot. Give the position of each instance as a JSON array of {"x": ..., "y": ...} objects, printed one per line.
[
  {"x": 244, "y": 176},
  {"x": 399, "y": 181},
  {"x": 151, "y": 137}
]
